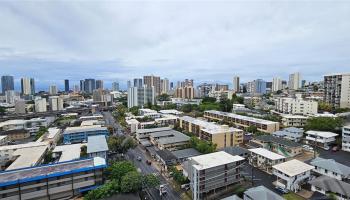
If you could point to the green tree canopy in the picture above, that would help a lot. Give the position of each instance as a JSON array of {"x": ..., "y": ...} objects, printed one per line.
[
  {"x": 118, "y": 169},
  {"x": 324, "y": 124},
  {"x": 131, "y": 182},
  {"x": 202, "y": 146},
  {"x": 163, "y": 97},
  {"x": 150, "y": 181}
]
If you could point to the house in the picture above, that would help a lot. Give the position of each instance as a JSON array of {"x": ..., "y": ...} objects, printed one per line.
[
  {"x": 132, "y": 125},
  {"x": 294, "y": 120},
  {"x": 166, "y": 158},
  {"x": 211, "y": 172},
  {"x": 331, "y": 168},
  {"x": 291, "y": 175},
  {"x": 346, "y": 139},
  {"x": 290, "y": 133},
  {"x": 183, "y": 154},
  {"x": 278, "y": 145},
  {"x": 144, "y": 133},
  {"x": 237, "y": 151},
  {"x": 171, "y": 140},
  {"x": 264, "y": 159},
  {"x": 321, "y": 138},
  {"x": 326, "y": 185},
  {"x": 261, "y": 193},
  {"x": 97, "y": 146}
]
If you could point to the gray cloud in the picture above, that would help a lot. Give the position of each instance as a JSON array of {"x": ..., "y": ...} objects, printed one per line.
[{"x": 207, "y": 41}]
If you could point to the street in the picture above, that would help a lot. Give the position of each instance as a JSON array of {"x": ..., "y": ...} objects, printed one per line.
[{"x": 133, "y": 154}]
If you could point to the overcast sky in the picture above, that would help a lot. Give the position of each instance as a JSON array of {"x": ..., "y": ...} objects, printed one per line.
[{"x": 206, "y": 41}]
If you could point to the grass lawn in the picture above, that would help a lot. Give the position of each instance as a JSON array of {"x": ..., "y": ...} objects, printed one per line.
[{"x": 292, "y": 196}]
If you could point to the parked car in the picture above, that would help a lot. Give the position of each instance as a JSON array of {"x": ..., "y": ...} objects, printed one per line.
[
  {"x": 148, "y": 162},
  {"x": 139, "y": 158},
  {"x": 335, "y": 148},
  {"x": 281, "y": 190}
]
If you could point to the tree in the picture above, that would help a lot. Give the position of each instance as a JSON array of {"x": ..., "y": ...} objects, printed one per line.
[
  {"x": 42, "y": 130},
  {"x": 252, "y": 129},
  {"x": 83, "y": 151},
  {"x": 110, "y": 130},
  {"x": 163, "y": 97},
  {"x": 225, "y": 105},
  {"x": 324, "y": 124},
  {"x": 2, "y": 110},
  {"x": 131, "y": 182},
  {"x": 120, "y": 144},
  {"x": 128, "y": 143},
  {"x": 322, "y": 106},
  {"x": 236, "y": 99},
  {"x": 106, "y": 190},
  {"x": 134, "y": 110},
  {"x": 48, "y": 157},
  {"x": 118, "y": 169},
  {"x": 178, "y": 176},
  {"x": 209, "y": 100},
  {"x": 202, "y": 146},
  {"x": 150, "y": 181}
]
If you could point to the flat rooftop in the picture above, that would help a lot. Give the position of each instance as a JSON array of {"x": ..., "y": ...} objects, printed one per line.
[
  {"x": 78, "y": 129},
  {"x": 323, "y": 134},
  {"x": 69, "y": 151},
  {"x": 214, "y": 159},
  {"x": 293, "y": 167},
  {"x": 97, "y": 143},
  {"x": 3, "y": 137},
  {"x": 251, "y": 119},
  {"x": 171, "y": 111},
  {"x": 40, "y": 172},
  {"x": 21, "y": 146},
  {"x": 151, "y": 130},
  {"x": 28, "y": 157},
  {"x": 53, "y": 132},
  {"x": 294, "y": 117},
  {"x": 267, "y": 154},
  {"x": 209, "y": 127}
]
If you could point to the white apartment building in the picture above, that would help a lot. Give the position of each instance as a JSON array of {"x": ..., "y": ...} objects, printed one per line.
[
  {"x": 322, "y": 138},
  {"x": 31, "y": 125},
  {"x": 346, "y": 139},
  {"x": 294, "y": 120},
  {"x": 40, "y": 105},
  {"x": 53, "y": 90},
  {"x": 291, "y": 175},
  {"x": 276, "y": 84},
  {"x": 264, "y": 159},
  {"x": 28, "y": 86},
  {"x": 294, "y": 81},
  {"x": 164, "y": 86},
  {"x": 140, "y": 96},
  {"x": 337, "y": 90},
  {"x": 56, "y": 103},
  {"x": 296, "y": 106},
  {"x": 331, "y": 168},
  {"x": 210, "y": 172}
]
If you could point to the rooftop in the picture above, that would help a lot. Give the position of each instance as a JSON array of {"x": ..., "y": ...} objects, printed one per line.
[
  {"x": 278, "y": 140},
  {"x": 294, "y": 117},
  {"x": 235, "y": 150},
  {"x": 252, "y": 119},
  {"x": 294, "y": 130},
  {"x": 97, "y": 143},
  {"x": 293, "y": 167},
  {"x": 3, "y": 137},
  {"x": 69, "y": 151},
  {"x": 166, "y": 155},
  {"x": 173, "y": 111},
  {"x": 28, "y": 157},
  {"x": 165, "y": 133},
  {"x": 332, "y": 185},
  {"x": 331, "y": 165},
  {"x": 53, "y": 132},
  {"x": 185, "y": 153},
  {"x": 40, "y": 172},
  {"x": 267, "y": 154},
  {"x": 323, "y": 134},
  {"x": 78, "y": 129},
  {"x": 262, "y": 193},
  {"x": 174, "y": 139},
  {"x": 214, "y": 159},
  {"x": 151, "y": 130},
  {"x": 20, "y": 146}
]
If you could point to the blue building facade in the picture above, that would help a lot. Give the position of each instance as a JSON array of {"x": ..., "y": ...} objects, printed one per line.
[{"x": 80, "y": 134}]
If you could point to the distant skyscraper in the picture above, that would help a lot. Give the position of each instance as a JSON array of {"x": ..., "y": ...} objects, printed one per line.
[
  {"x": 20, "y": 107},
  {"x": 294, "y": 81},
  {"x": 28, "y": 86},
  {"x": 99, "y": 84},
  {"x": 154, "y": 81},
  {"x": 337, "y": 90},
  {"x": 56, "y": 103},
  {"x": 89, "y": 85},
  {"x": 128, "y": 84},
  {"x": 82, "y": 85},
  {"x": 40, "y": 105},
  {"x": 257, "y": 86},
  {"x": 165, "y": 86},
  {"x": 66, "y": 85},
  {"x": 7, "y": 83},
  {"x": 138, "y": 82},
  {"x": 236, "y": 84},
  {"x": 171, "y": 85},
  {"x": 11, "y": 96},
  {"x": 115, "y": 86},
  {"x": 276, "y": 84},
  {"x": 303, "y": 83},
  {"x": 53, "y": 90},
  {"x": 76, "y": 88}
]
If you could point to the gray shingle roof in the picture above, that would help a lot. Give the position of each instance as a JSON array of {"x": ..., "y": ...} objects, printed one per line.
[
  {"x": 262, "y": 193},
  {"x": 331, "y": 165},
  {"x": 235, "y": 150},
  {"x": 332, "y": 185},
  {"x": 166, "y": 155},
  {"x": 97, "y": 143},
  {"x": 186, "y": 153},
  {"x": 293, "y": 130},
  {"x": 282, "y": 141}
]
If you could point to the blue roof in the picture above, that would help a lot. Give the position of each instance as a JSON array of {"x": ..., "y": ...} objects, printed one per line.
[{"x": 97, "y": 143}]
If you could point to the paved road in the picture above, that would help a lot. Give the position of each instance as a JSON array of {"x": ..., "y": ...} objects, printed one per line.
[{"x": 133, "y": 154}]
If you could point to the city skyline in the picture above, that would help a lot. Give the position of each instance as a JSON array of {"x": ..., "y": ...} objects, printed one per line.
[{"x": 211, "y": 41}]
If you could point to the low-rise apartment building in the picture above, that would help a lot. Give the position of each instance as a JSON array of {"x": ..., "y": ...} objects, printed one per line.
[
  {"x": 170, "y": 140},
  {"x": 264, "y": 159},
  {"x": 346, "y": 139},
  {"x": 294, "y": 120},
  {"x": 291, "y": 175},
  {"x": 31, "y": 125},
  {"x": 145, "y": 133},
  {"x": 321, "y": 138},
  {"x": 296, "y": 106},
  {"x": 278, "y": 145},
  {"x": 262, "y": 125},
  {"x": 16, "y": 134},
  {"x": 80, "y": 134},
  {"x": 331, "y": 168},
  {"x": 290, "y": 133},
  {"x": 221, "y": 135},
  {"x": 56, "y": 181},
  {"x": 211, "y": 172}
]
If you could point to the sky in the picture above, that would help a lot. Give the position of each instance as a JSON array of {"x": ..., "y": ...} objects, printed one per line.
[{"x": 207, "y": 41}]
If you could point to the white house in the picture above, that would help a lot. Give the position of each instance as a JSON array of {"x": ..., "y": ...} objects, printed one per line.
[
  {"x": 322, "y": 138},
  {"x": 264, "y": 159},
  {"x": 346, "y": 139},
  {"x": 331, "y": 168},
  {"x": 292, "y": 174},
  {"x": 290, "y": 133}
]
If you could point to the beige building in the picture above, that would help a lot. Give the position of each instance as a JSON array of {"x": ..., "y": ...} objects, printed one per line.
[
  {"x": 186, "y": 92},
  {"x": 337, "y": 90},
  {"x": 243, "y": 121},
  {"x": 16, "y": 134},
  {"x": 153, "y": 81},
  {"x": 294, "y": 120},
  {"x": 222, "y": 136}
]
